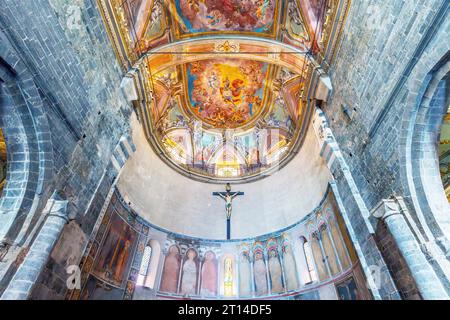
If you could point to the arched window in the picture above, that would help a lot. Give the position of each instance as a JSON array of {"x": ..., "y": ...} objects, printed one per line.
[
  {"x": 312, "y": 275},
  {"x": 144, "y": 265},
  {"x": 149, "y": 264}
]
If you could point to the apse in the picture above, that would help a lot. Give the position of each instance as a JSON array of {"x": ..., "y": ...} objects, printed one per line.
[
  {"x": 224, "y": 150},
  {"x": 221, "y": 91},
  {"x": 227, "y": 179}
]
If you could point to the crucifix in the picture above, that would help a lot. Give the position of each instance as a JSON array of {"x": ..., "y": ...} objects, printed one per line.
[{"x": 228, "y": 196}]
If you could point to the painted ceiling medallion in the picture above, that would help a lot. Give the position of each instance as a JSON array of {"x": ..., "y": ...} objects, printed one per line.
[
  {"x": 227, "y": 46},
  {"x": 223, "y": 84}
]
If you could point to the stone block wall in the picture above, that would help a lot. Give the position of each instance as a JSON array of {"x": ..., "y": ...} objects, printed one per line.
[
  {"x": 64, "y": 52},
  {"x": 380, "y": 39},
  {"x": 388, "y": 53},
  {"x": 397, "y": 265}
]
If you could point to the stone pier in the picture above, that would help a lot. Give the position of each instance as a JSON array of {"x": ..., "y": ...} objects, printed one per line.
[
  {"x": 28, "y": 272},
  {"x": 388, "y": 210}
]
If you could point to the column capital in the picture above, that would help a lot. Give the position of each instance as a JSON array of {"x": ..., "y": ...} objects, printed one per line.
[
  {"x": 386, "y": 208},
  {"x": 57, "y": 207},
  {"x": 321, "y": 127},
  {"x": 329, "y": 149}
]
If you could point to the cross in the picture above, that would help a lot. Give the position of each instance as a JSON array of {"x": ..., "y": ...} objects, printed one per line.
[{"x": 228, "y": 196}]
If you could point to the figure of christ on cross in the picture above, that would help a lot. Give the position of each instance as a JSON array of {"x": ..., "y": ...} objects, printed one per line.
[{"x": 228, "y": 196}]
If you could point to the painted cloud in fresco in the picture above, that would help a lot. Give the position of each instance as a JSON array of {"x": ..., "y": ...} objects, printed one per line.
[{"x": 226, "y": 15}]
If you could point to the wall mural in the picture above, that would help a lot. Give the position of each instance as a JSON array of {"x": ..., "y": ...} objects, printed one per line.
[
  {"x": 189, "y": 273},
  {"x": 245, "y": 274},
  {"x": 3, "y": 159},
  {"x": 116, "y": 250},
  {"x": 444, "y": 153},
  {"x": 274, "y": 265},
  {"x": 209, "y": 275},
  {"x": 290, "y": 268},
  {"x": 171, "y": 270},
  {"x": 275, "y": 272}
]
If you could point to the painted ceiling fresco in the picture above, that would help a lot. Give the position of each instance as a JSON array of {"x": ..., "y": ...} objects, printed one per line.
[
  {"x": 225, "y": 15},
  {"x": 147, "y": 24},
  {"x": 226, "y": 93},
  {"x": 224, "y": 83},
  {"x": 237, "y": 117}
]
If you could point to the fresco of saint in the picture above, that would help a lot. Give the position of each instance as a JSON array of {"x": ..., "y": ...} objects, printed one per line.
[
  {"x": 113, "y": 259},
  {"x": 275, "y": 272},
  {"x": 228, "y": 276},
  {"x": 171, "y": 271},
  {"x": 290, "y": 268},
  {"x": 245, "y": 282},
  {"x": 189, "y": 278},
  {"x": 209, "y": 275},
  {"x": 259, "y": 269}
]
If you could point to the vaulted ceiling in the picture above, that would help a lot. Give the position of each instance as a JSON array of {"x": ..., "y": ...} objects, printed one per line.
[{"x": 223, "y": 85}]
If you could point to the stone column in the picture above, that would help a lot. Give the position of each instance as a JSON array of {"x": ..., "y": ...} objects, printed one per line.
[
  {"x": 429, "y": 285},
  {"x": 28, "y": 272}
]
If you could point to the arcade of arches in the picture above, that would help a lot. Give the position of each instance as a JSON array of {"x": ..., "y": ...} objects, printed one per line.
[{"x": 224, "y": 149}]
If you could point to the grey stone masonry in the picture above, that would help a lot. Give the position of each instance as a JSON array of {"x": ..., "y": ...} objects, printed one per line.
[
  {"x": 355, "y": 213},
  {"x": 27, "y": 274},
  {"x": 426, "y": 279}
]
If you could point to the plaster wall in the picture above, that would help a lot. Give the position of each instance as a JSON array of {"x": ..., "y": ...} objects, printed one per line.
[{"x": 172, "y": 201}]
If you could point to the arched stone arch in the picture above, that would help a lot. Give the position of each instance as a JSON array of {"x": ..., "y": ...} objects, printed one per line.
[
  {"x": 419, "y": 160},
  {"x": 29, "y": 145}
]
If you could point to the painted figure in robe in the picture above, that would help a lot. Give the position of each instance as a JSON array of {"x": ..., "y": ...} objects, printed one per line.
[
  {"x": 209, "y": 275},
  {"x": 290, "y": 269},
  {"x": 245, "y": 278},
  {"x": 260, "y": 274},
  {"x": 189, "y": 279},
  {"x": 169, "y": 281},
  {"x": 275, "y": 272}
]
